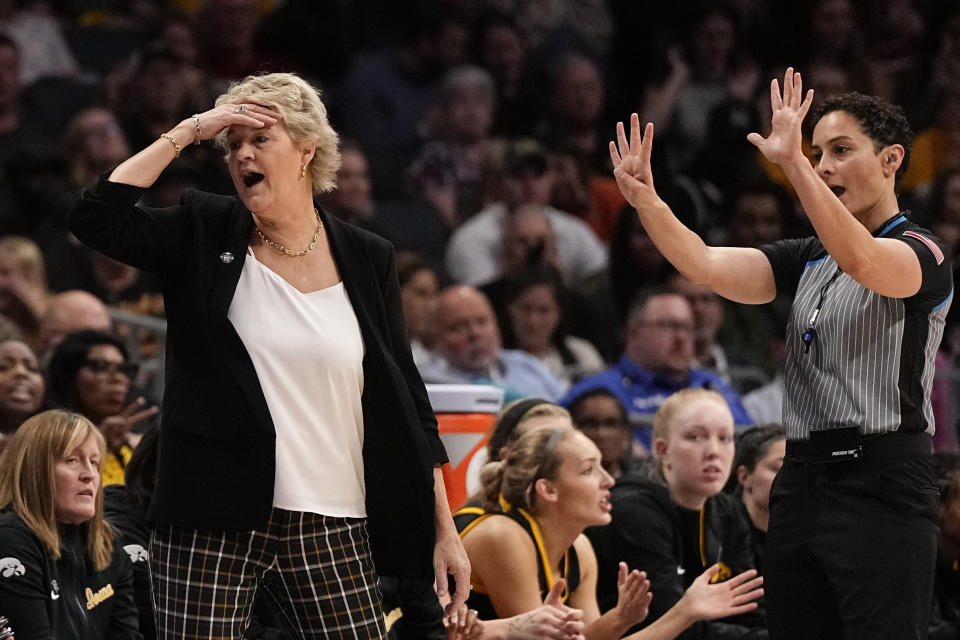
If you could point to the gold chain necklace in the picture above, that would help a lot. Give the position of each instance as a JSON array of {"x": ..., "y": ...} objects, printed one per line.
[{"x": 294, "y": 254}]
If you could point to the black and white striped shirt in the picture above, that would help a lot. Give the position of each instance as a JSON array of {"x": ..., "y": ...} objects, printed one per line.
[{"x": 870, "y": 361}]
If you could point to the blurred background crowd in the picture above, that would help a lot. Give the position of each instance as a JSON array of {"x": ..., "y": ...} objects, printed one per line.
[{"x": 474, "y": 137}]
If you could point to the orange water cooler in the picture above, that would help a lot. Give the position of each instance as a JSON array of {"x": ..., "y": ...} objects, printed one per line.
[{"x": 465, "y": 415}]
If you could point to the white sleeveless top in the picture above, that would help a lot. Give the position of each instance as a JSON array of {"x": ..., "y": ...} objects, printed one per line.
[{"x": 308, "y": 352}]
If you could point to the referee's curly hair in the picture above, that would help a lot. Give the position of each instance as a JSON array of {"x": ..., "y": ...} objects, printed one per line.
[{"x": 881, "y": 121}]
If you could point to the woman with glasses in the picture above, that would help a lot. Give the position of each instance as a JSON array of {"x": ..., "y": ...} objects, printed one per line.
[
  {"x": 90, "y": 373},
  {"x": 600, "y": 415},
  {"x": 871, "y": 291},
  {"x": 538, "y": 501},
  {"x": 63, "y": 573}
]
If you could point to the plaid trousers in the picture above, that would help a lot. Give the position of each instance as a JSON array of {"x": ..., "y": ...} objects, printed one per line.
[{"x": 315, "y": 570}]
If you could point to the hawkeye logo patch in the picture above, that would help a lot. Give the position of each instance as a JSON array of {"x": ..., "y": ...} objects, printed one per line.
[
  {"x": 137, "y": 553},
  {"x": 93, "y": 599},
  {"x": 11, "y": 567}
]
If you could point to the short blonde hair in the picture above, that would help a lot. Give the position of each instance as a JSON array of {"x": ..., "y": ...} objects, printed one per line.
[
  {"x": 304, "y": 116},
  {"x": 28, "y": 480},
  {"x": 669, "y": 409},
  {"x": 664, "y": 419}
]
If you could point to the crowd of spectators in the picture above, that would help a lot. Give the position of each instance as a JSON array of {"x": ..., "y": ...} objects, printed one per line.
[{"x": 474, "y": 137}]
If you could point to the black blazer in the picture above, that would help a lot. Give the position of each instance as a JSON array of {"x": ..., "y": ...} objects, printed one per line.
[{"x": 217, "y": 444}]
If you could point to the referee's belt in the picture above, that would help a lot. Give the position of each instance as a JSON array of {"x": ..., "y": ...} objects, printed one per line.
[{"x": 846, "y": 443}]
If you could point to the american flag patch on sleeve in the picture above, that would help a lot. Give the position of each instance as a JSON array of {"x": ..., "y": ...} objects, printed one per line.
[{"x": 930, "y": 244}]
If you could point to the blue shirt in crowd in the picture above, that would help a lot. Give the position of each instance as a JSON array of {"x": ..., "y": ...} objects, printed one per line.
[
  {"x": 518, "y": 373},
  {"x": 642, "y": 393}
]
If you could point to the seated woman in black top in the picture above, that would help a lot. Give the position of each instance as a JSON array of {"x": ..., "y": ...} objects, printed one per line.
[
  {"x": 538, "y": 501},
  {"x": 758, "y": 458},
  {"x": 675, "y": 522},
  {"x": 62, "y": 574}
]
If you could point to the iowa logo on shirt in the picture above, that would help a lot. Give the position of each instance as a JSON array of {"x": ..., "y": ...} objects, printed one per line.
[
  {"x": 722, "y": 575},
  {"x": 11, "y": 567},
  {"x": 93, "y": 599},
  {"x": 137, "y": 553}
]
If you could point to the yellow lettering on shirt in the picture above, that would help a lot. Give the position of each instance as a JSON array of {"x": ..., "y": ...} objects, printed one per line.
[{"x": 93, "y": 599}]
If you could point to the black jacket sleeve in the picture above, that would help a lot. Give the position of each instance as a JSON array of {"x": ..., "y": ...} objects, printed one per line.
[
  {"x": 108, "y": 219},
  {"x": 128, "y": 517},
  {"x": 736, "y": 552},
  {"x": 24, "y": 584},
  {"x": 124, "y": 615},
  {"x": 641, "y": 535},
  {"x": 422, "y": 616}
]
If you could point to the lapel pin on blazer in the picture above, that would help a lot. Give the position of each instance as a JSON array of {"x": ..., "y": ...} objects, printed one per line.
[{"x": 226, "y": 257}]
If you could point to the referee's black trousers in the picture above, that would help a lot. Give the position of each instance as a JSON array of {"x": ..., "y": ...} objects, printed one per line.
[{"x": 851, "y": 547}]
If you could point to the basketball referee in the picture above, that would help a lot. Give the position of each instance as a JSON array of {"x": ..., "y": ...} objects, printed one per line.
[{"x": 852, "y": 539}]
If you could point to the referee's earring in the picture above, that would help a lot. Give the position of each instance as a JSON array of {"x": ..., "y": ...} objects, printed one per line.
[{"x": 303, "y": 170}]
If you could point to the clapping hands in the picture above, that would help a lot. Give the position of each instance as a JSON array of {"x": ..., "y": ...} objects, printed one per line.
[
  {"x": 633, "y": 595},
  {"x": 464, "y": 625},
  {"x": 553, "y": 620}
]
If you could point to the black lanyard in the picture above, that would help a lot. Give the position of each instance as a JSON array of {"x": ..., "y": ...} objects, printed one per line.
[{"x": 810, "y": 334}]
